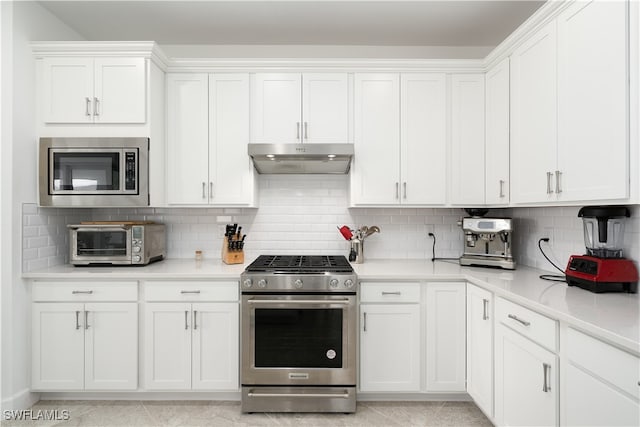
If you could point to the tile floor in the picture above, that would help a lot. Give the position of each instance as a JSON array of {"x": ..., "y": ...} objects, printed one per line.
[{"x": 208, "y": 413}]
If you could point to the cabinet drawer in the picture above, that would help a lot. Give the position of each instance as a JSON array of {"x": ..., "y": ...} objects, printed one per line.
[
  {"x": 191, "y": 291},
  {"x": 389, "y": 292},
  {"x": 615, "y": 366},
  {"x": 532, "y": 325},
  {"x": 84, "y": 291}
]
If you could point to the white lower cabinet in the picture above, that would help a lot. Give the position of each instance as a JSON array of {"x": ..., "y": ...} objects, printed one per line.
[
  {"x": 400, "y": 344},
  {"x": 445, "y": 334},
  {"x": 83, "y": 345},
  {"x": 190, "y": 345},
  {"x": 612, "y": 378},
  {"x": 390, "y": 347},
  {"x": 526, "y": 374},
  {"x": 480, "y": 347}
]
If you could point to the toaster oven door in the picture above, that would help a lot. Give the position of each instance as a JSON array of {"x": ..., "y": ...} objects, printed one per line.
[{"x": 100, "y": 245}]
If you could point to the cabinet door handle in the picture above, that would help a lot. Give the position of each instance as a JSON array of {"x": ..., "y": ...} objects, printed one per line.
[
  {"x": 87, "y": 110},
  {"x": 485, "y": 309},
  {"x": 186, "y": 320},
  {"x": 77, "y": 319},
  {"x": 549, "y": 190},
  {"x": 397, "y": 190},
  {"x": 195, "y": 323},
  {"x": 364, "y": 322},
  {"x": 297, "y": 130},
  {"x": 501, "y": 188},
  {"x": 558, "y": 186},
  {"x": 546, "y": 373},
  {"x": 81, "y": 292},
  {"x": 404, "y": 184},
  {"x": 86, "y": 319},
  {"x": 306, "y": 133},
  {"x": 190, "y": 292},
  {"x": 204, "y": 186},
  {"x": 523, "y": 322},
  {"x": 211, "y": 189},
  {"x": 391, "y": 293},
  {"x": 96, "y": 106}
]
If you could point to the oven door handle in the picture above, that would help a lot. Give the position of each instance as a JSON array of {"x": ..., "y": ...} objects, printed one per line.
[
  {"x": 300, "y": 301},
  {"x": 315, "y": 395}
]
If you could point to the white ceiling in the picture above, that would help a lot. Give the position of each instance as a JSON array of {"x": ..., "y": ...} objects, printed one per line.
[{"x": 271, "y": 22}]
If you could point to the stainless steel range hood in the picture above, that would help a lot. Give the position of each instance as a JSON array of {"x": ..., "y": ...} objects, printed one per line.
[{"x": 301, "y": 158}]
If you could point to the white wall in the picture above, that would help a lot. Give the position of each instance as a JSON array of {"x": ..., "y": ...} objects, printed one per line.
[{"x": 26, "y": 21}]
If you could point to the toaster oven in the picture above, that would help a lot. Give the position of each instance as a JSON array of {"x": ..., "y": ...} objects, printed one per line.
[{"x": 116, "y": 243}]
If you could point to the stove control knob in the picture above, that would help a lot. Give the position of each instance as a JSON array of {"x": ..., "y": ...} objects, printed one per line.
[
  {"x": 262, "y": 283},
  {"x": 298, "y": 284},
  {"x": 348, "y": 283},
  {"x": 248, "y": 283},
  {"x": 333, "y": 283}
]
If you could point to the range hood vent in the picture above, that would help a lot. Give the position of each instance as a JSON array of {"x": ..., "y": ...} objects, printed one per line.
[{"x": 301, "y": 158}]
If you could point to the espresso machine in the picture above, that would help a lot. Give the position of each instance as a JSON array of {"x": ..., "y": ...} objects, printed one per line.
[
  {"x": 487, "y": 241},
  {"x": 603, "y": 268}
]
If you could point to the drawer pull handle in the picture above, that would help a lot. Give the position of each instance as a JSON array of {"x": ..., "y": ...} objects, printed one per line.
[
  {"x": 391, "y": 293},
  {"x": 77, "y": 320},
  {"x": 189, "y": 292},
  {"x": 81, "y": 292},
  {"x": 523, "y": 322},
  {"x": 485, "y": 309},
  {"x": 546, "y": 371}
]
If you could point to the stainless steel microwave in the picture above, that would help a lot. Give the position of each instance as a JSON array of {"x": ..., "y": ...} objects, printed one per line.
[
  {"x": 113, "y": 243},
  {"x": 93, "y": 172}
]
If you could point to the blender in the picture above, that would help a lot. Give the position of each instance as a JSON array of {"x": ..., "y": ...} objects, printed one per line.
[{"x": 603, "y": 268}]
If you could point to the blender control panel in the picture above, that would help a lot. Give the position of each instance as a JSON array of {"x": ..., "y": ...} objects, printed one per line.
[{"x": 582, "y": 265}]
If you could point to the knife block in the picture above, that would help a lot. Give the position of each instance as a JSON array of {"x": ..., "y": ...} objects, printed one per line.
[{"x": 231, "y": 257}]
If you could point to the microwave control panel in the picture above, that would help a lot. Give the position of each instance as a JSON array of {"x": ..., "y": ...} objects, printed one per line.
[{"x": 130, "y": 170}]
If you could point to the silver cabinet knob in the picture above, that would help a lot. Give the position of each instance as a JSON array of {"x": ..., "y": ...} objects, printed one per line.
[
  {"x": 262, "y": 283},
  {"x": 333, "y": 283},
  {"x": 247, "y": 283},
  {"x": 348, "y": 283},
  {"x": 298, "y": 284}
]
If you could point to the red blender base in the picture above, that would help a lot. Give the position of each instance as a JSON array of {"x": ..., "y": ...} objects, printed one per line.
[{"x": 602, "y": 274}]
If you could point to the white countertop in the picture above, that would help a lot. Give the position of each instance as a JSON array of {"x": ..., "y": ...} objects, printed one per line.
[{"x": 614, "y": 317}]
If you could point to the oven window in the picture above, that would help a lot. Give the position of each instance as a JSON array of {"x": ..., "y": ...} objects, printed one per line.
[
  {"x": 298, "y": 338},
  {"x": 86, "y": 171},
  {"x": 102, "y": 243}
]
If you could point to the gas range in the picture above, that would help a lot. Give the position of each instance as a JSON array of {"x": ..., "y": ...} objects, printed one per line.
[{"x": 294, "y": 273}]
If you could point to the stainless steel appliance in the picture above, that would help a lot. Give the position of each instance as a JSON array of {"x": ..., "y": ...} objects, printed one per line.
[
  {"x": 603, "y": 268},
  {"x": 298, "y": 334},
  {"x": 116, "y": 243},
  {"x": 487, "y": 242},
  {"x": 301, "y": 158},
  {"x": 93, "y": 172}
]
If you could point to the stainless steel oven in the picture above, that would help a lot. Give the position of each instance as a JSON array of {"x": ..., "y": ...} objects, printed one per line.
[
  {"x": 94, "y": 172},
  {"x": 299, "y": 335}
]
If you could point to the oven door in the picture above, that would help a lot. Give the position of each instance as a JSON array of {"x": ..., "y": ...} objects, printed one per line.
[
  {"x": 299, "y": 339},
  {"x": 100, "y": 245}
]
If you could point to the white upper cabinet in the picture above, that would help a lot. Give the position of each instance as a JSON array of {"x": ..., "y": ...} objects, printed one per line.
[
  {"x": 400, "y": 139},
  {"x": 569, "y": 108},
  {"x": 467, "y": 139},
  {"x": 497, "y": 134},
  {"x": 299, "y": 108},
  {"x": 375, "y": 171},
  {"x": 534, "y": 117},
  {"x": 207, "y": 137},
  {"x": 593, "y": 157},
  {"x": 79, "y": 90},
  {"x": 423, "y": 138}
]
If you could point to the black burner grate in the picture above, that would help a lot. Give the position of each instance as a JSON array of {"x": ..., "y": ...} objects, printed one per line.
[{"x": 300, "y": 264}]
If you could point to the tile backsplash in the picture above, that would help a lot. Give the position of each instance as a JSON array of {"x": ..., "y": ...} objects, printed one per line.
[{"x": 299, "y": 215}]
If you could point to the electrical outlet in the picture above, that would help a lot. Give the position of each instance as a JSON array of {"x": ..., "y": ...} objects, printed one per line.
[{"x": 548, "y": 233}]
